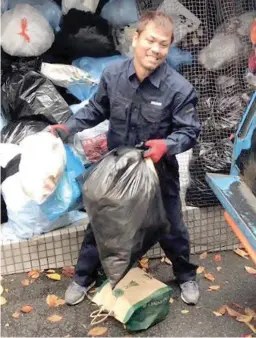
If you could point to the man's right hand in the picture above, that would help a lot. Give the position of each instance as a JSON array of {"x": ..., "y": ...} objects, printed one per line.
[{"x": 60, "y": 130}]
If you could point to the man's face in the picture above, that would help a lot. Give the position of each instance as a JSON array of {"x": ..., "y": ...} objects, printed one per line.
[{"x": 151, "y": 46}]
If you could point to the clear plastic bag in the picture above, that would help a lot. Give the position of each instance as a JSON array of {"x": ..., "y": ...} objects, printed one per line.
[
  {"x": 123, "y": 200},
  {"x": 222, "y": 50},
  {"x": 48, "y": 8},
  {"x": 120, "y": 12},
  {"x": 43, "y": 160},
  {"x": 82, "y": 5},
  {"x": 25, "y": 32}
]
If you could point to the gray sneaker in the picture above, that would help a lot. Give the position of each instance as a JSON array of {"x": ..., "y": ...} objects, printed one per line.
[
  {"x": 190, "y": 292},
  {"x": 75, "y": 293}
]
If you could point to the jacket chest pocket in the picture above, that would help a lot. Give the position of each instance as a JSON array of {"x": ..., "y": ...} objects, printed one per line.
[
  {"x": 118, "y": 109},
  {"x": 155, "y": 122}
]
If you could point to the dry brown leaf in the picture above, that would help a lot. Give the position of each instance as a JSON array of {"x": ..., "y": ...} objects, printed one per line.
[
  {"x": 244, "y": 318},
  {"x": 144, "y": 263},
  {"x": 232, "y": 312},
  {"x": 203, "y": 255},
  {"x": 214, "y": 288},
  {"x": 51, "y": 300},
  {"x": 2, "y": 300},
  {"x": 251, "y": 327},
  {"x": 249, "y": 311},
  {"x": 1, "y": 289},
  {"x": 200, "y": 269},
  {"x": 54, "y": 318},
  {"x": 171, "y": 300},
  {"x": 54, "y": 276},
  {"x": 34, "y": 274},
  {"x": 68, "y": 271},
  {"x": 217, "y": 314},
  {"x": 184, "y": 312},
  {"x": 241, "y": 253},
  {"x": 219, "y": 268},
  {"x": 50, "y": 271},
  {"x": 222, "y": 309},
  {"x": 98, "y": 331},
  {"x": 26, "y": 309},
  {"x": 16, "y": 315},
  {"x": 209, "y": 276},
  {"x": 217, "y": 258},
  {"x": 25, "y": 282},
  {"x": 250, "y": 270},
  {"x": 60, "y": 301}
]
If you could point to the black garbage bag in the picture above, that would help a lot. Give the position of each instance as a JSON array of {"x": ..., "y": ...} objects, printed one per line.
[
  {"x": 123, "y": 200},
  {"x": 15, "y": 132},
  {"x": 215, "y": 157},
  {"x": 33, "y": 95},
  {"x": 83, "y": 34}
]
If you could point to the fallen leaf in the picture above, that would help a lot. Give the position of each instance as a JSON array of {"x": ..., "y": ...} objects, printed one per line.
[
  {"x": 51, "y": 300},
  {"x": 200, "y": 269},
  {"x": 54, "y": 276},
  {"x": 184, "y": 311},
  {"x": 241, "y": 253},
  {"x": 209, "y": 276},
  {"x": 250, "y": 270},
  {"x": 54, "y": 318},
  {"x": 214, "y": 288},
  {"x": 249, "y": 311},
  {"x": 162, "y": 259},
  {"x": 217, "y": 258},
  {"x": 50, "y": 271},
  {"x": 217, "y": 314},
  {"x": 1, "y": 289},
  {"x": 25, "y": 282},
  {"x": 34, "y": 274},
  {"x": 16, "y": 315},
  {"x": 98, "y": 331},
  {"x": 167, "y": 261},
  {"x": 219, "y": 268},
  {"x": 171, "y": 300},
  {"x": 68, "y": 271},
  {"x": 232, "y": 312},
  {"x": 3, "y": 300},
  {"x": 203, "y": 255},
  {"x": 222, "y": 309},
  {"x": 251, "y": 327},
  {"x": 144, "y": 263},
  {"x": 6, "y": 290},
  {"x": 244, "y": 318},
  {"x": 60, "y": 301},
  {"x": 26, "y": 309}
]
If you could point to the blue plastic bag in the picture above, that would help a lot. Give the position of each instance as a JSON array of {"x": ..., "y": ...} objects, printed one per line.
[
  {"x": 120, "y": 13},
  {"x": 177, "y": 58},
  {"x": 48, "y": 8},
  {"x": 68, "y": 194},
  {"x": 94, "y": 67}
]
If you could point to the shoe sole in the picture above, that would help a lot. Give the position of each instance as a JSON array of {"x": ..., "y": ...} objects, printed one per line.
[
  {"x": 83, "y": 296},
  {"x": 184, "y": 300}
]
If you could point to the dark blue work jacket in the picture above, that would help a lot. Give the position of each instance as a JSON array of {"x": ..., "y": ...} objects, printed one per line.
[{"x": 163, "y": 106}]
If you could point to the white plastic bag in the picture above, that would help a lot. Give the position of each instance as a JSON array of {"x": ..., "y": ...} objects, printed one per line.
[
  {"x": 25, "y": 32},
  {"x": 64, "y": 75},
  {"x": 82, "y": 5},
  {"x": 25, "y": 217},
  {"x": 43, "y": 160}
]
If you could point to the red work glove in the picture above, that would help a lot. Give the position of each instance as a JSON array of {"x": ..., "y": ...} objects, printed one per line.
[
  {"x": 60, "y": 130},
  {"x": 158, "y": 148}
]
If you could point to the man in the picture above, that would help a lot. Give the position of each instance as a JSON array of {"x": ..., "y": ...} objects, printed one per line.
[{"x": 144, "y": 100}]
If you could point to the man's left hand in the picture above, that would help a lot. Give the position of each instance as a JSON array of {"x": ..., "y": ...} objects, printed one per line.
[{"x": 158, "y": 148}]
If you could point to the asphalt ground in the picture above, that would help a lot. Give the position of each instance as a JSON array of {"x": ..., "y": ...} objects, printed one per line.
[{"x": 237, "y": 289}]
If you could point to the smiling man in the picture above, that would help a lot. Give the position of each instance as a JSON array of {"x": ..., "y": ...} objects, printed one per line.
[{"x": 145, "y": 101}]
